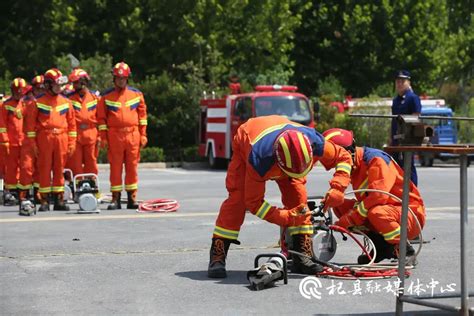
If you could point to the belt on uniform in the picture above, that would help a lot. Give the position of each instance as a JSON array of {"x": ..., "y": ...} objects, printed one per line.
[
  {"x": 124, "y": 129},
  {"x": 55, "y": 131},
  {"x": 84, "y": 126}
]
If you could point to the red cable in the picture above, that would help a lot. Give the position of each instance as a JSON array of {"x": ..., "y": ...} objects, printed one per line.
[{"x": 158, "y": 206}]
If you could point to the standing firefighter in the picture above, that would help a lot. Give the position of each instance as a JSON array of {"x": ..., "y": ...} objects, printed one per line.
[
  {"x": 13, "y": 117},
  {"x": 380, "y": 213},
  {"x": 28, "y": 170},
  {"x": 53, "y": 128},
  {"x": 84, "y": 158},
  {"x": 122, "y": 122},
  {"x": 274, "y": 148}
]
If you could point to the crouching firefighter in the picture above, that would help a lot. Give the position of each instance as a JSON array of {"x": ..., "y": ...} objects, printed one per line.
[
  {"x": 274, "y": 148},
  {"x": 51, "y": 126},
  {"x": 377, "y": 212}
]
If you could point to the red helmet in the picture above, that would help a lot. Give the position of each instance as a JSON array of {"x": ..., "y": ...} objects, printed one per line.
[
  {"x": 18, "y": 85},
  {"x": 54, "y": 75},
  {"x": 121, "y": 70},
  {"x": 37, "y": 80},
  {"x": 77, "y": 74},
  {"x": 293, "y": 153},
  {"x": 339, "y": 136}
]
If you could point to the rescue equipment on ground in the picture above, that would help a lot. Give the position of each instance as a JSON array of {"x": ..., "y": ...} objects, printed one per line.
[
  {"x": 27, "y": 207},
  {"x": 86, "y": 187},
  {"x": 274, "y": 269},
  {"x": 158, "y": 206}
]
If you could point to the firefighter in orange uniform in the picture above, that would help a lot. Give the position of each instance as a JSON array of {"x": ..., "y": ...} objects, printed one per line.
[
  {"x": 53, "y": 128},
  {"x": 28, "y": 171},
  {"x": 84, "y": 158},
  {"x": 380, "y": 213},
  {"x": 13, "y": 116},
  {"x": 274, "y": 148},
  {"x": 4, "y": 142},
  {"x": 122, "y": 122}
]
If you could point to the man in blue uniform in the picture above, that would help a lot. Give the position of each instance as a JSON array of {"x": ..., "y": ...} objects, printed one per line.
[{"x": 406, "y": 102}]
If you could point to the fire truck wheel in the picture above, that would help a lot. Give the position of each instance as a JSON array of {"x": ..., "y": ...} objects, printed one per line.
[{"x": 214, "y": 163}]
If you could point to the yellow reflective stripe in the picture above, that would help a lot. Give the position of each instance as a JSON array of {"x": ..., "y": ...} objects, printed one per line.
[
  {"x": 226, "y": 233},
  {"x": 331, "y": 135},
  {"x": 72, "y": 134},
  {"x": 43, "y": 106},
  {"x": 364, "y": 184},
  {"x": 393, "y": 234},
  {"x": 307, "y": 157},
  {"x": 76, "y": 104},
  {"x": 271, "y": 129},
  {"x": 102, "y": 127},
  {"x": 132, "y": 101},
  {"x": 263, "y": 210},
  {"x": 10, "y": 186},
  {"x": 286, "y": 152},
  {"x": 113, "y": 103},
  {"x": 115, "y": 188},
  {"x": 131, "y": 186},
  {"x": 361, "y": 209},
  {"x": 36, "y": 185},
  {"x": 31, "y": 134},
  {"x": 44, "y": 189},
  {"x": 143, "y": 122},
  {"x": 57, "y": 189},
  {"x": 342, "y": 166},
  {"x": 91, "y": 103},
  {"x": 303, "y": 229},
  {"x": 61, "y": 107},
  {"x": 24, "y": 187},
  {"x": 299, "y": 175},
  {"x": 3, "y": 130},
  {"x": 10, "y": 108}
]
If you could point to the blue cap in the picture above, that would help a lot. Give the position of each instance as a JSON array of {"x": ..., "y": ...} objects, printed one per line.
[{"x": 405, "y": 74}]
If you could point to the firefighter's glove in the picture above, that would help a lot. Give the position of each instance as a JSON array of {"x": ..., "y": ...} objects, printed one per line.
[
  {"x": 345, "y": 221},
  {"x": 143, "y": 141},
  {"x": 299, "y": 215},
  {"x": 7, "y": 148},
  {"x": 334, "y": 198}
]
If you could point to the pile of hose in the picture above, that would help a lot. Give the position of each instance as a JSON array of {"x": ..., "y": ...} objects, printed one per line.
[{"x": 158, "y": 206}]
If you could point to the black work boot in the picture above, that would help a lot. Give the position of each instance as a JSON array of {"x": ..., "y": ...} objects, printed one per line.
[
  {"x": 303, "y": 244},
  {"x": 384, "y": 249},
  {"x": 115, "y": 204},
  {"x": 132, "y": 200},
  {"x": 37, "y": 195},
  {"x": 59, "y": 204},
  {"x": 219, "y": 248},
  {"x": 44, "y": 202}
]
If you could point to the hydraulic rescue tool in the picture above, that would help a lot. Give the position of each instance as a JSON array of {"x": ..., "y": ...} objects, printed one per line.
[{"x": 86, "y": 188}]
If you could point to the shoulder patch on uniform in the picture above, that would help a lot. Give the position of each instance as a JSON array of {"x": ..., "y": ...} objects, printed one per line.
[
  {"x": 133, "y": 89},
  {"x": 371, "y": 153},
  {"x": 107, "y": 91}
]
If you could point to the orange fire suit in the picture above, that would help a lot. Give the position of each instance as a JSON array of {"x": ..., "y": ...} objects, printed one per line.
[
  {"x": 84, "y": 158},
  {"x": 253, "y": 164},
  {"x": 122, "y": 119},
  {"x": 53, "y": 126},
  {"x": 28, "y": 170},
  {"x": 374, "y": 169},
  {"x": 13, "y": 116},
  {"x": 4, "y": 141}
]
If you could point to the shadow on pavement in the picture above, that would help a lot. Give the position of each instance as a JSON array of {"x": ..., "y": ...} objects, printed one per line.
[
  {"x": 233, "y": 277},
  {"x": 408, "y": 313}
]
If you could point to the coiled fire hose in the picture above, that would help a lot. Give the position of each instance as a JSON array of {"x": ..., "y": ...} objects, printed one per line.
[
  {"x": 371, "y": 270},
  {"x": 158, "y": 206}
]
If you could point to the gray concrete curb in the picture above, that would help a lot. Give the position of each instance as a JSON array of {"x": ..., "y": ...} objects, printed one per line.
[{"x": 164, "y": 165}]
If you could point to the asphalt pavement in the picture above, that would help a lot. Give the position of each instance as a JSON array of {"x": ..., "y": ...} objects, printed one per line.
[{"x": 126, "y": 263}]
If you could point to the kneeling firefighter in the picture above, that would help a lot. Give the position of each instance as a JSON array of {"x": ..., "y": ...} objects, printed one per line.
[
  {"x": 378, "y": 212},
  {"x": 274, "y": 148}
]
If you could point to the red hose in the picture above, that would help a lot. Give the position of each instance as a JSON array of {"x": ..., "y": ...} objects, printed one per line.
[{"x": 158, "y": 206}]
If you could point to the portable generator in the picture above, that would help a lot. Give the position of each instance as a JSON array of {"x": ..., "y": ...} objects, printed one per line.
[{"x": 86, "y": 188}]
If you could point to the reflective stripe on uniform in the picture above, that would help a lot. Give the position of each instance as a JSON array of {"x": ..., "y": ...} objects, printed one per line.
[
  {"x": 263, "y": 210},
  {"x": 102, "y": 127},
  {"x": 44, "y": 189},
  {"x": 116, "y": 188},
  {"x": 303, "y": 229},
  {"x": 129, "y": 187},
  {"x": 226, "y": 233},
  {"x": 31, "y": 134},
  {"x": 393, "y": 234},
  {"x": 361, "y": 209},
  {"x": 57, "y": 189},
  {"x": 342, "y": 166},
  {"x": 72, "y": 134},
  {"x": 143, "y": 122}
]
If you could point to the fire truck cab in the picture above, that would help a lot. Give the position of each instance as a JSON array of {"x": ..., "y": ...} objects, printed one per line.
[{"x": 220, "y": 118}]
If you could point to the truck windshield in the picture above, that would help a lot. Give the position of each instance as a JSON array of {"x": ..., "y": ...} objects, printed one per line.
[{"x": 295, "y": 109}]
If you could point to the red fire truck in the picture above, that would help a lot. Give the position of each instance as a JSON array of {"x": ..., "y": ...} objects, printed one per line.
[{"x": 220, "y": 118}]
